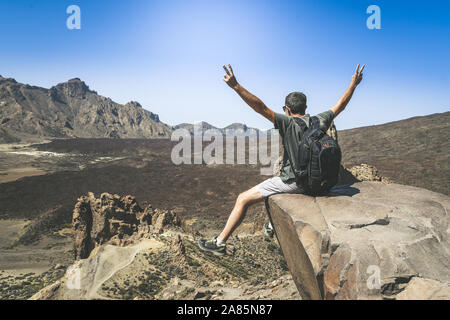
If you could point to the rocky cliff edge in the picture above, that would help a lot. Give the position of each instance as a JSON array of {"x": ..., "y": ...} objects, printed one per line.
[{"x": 368, "y": 240}]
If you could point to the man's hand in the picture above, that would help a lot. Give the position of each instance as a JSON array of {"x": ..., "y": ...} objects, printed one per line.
[
  {"x": 229, "y": 78},
  {"x": 344, "y": 100},
  {"x": 357, "y": 76},
  {"x": 249, "y": 98}
]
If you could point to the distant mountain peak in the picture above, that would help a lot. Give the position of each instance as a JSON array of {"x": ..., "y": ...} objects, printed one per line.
[
  {"x": 134, "y": 104},
  {"x": 237, "y": 125},
  {"x": 204, "y": 124},
  {"x": 76, "y": 81},
  {"x": 74, "y": 88},
  {"x": 8, "y": 79}
]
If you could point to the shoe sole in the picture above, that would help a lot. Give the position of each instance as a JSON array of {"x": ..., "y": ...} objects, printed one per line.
[{"x": 209, "y": 250}]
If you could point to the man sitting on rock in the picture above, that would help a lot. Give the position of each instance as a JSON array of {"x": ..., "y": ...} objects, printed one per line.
[{"x": 295, "y": 106}]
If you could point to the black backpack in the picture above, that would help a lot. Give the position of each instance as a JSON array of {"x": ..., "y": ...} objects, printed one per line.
[{"x": 319, "y": 159}]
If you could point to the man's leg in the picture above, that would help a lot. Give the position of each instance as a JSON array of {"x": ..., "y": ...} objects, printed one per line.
[
  {"x": 243, "y": 201},
  {"x": 256, "y": 194},
  {"x": 217, "y": 244}
]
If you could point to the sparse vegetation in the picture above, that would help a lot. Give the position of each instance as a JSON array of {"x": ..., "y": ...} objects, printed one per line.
[{"x": 25, "y": 285}]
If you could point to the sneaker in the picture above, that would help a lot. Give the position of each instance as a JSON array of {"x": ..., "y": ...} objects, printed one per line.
[
  {"x": 268, "y": 229},
  {"x": 211, "y": 245}
]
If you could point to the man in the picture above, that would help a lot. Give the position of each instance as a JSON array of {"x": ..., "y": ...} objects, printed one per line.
[{"x": 295, "y": 106}]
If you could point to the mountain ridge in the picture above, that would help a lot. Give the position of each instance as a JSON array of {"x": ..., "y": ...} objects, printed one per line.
[
  {"x": 413, "y": 151},
  {"x": 71, "y": 110},
  {"x": 232, "y": 129}
]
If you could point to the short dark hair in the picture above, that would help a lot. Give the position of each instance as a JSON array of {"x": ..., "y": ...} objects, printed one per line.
[{"x": 296, "y": 101}]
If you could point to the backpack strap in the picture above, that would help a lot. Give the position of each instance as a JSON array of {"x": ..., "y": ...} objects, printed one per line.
[
  {"x": 315, "y": 131},
  {"x": 300, "y": 167},
  {"x": 301, "y": 123},
  {"x": 314, "y": 122}
]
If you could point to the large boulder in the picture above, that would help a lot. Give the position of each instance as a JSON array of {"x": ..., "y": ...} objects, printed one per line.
[{"x": 369, "y": 240}]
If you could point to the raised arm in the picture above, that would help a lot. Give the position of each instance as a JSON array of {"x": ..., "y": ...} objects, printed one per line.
[
  {"x": 343, "y": 101},
  {"x": 249, "y": 98}
]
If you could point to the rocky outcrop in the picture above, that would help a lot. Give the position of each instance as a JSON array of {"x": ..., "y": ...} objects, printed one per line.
[
  {"x": 366, "y": 172},
  {"x": 369, "y": 240},
  {"x": 362, "y": 172},
  {"x": 69, "y": 110},
  {"x": 114, "y": 219}
]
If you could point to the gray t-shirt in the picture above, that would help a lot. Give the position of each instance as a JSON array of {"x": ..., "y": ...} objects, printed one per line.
[{"x": 290, "y": 133}]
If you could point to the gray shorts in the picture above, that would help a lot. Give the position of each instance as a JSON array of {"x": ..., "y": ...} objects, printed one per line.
[{"x": 276, "y": 185}]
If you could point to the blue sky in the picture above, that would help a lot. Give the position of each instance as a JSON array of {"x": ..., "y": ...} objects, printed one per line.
[{"x": 168, "y": 55}]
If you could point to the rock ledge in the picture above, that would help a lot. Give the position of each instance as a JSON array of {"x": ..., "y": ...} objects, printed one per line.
[{"x": 369, "y": 240}]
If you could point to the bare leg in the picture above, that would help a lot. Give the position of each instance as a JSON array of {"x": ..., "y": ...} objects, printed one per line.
[{"x": 243, "y": 201}]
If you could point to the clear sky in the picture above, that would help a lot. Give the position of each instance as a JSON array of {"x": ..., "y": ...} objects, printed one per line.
[{"x": 168, "y": 55}]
